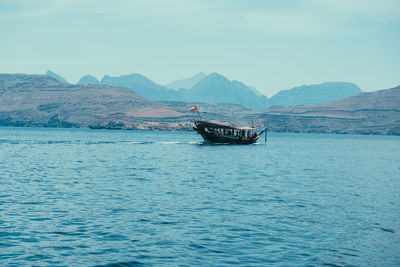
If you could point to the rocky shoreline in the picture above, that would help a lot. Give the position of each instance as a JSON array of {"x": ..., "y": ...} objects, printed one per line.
[{"x": 41, "y": 101}]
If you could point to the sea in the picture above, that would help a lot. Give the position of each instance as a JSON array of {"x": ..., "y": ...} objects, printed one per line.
[{"x": 80, "y": 197}]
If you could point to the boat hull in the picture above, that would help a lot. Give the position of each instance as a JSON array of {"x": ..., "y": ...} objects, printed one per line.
[
  {"x": 214, "y": 138},
  {"x": 203, "y": 128}
]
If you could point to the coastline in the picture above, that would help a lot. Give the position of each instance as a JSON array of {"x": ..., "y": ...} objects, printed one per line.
[
  {"x": 41, "y": 101},
  {"x": 189, "y": 128}
]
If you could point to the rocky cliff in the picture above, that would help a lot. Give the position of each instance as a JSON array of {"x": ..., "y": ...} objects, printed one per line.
[
  {"x": 42, "y": 101},
  {"x": 366, "y": 113}
]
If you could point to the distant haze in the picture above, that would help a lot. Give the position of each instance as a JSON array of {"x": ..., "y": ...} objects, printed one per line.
[
  {"x": 270, "y": 45},
  {"x": 217, "y": 89},
  {"x": 186, "y": 83},
  {"x": 314, "y": 94}
]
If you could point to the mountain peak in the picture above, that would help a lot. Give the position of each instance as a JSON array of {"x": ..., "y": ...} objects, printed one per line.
[
  {"x": 56, "y": 76},
  {"x": 105, "y": 77},
  {"x": 133, "y": 77},
  {"x": 186, "y": 83},
  {"x": 88, "y": 79},
  {"x": 216, "y": 88},
  {"x": 215, "y": 75}
]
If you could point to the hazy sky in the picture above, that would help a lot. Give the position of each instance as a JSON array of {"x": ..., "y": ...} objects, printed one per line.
[{"x": 271, "y": 45}]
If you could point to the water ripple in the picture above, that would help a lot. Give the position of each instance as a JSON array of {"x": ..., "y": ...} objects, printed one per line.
[{"x": 127, "y": 198}]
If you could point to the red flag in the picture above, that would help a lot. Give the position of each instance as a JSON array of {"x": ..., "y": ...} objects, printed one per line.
[{"x": 193, "y": 108}]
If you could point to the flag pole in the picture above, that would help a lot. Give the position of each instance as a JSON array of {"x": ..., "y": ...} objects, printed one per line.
[
  {"x": 198, "y": 113},
  {"x": 195, "y": 109}
]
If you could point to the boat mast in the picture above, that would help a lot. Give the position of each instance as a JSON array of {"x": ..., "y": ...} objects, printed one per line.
[{"x": 198, "y": 113}]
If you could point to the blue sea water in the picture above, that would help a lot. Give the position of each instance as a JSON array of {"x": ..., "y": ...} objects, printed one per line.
[{"x": 122, "y": 198}]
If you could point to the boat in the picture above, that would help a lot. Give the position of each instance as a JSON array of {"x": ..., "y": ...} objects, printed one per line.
[{"x": 222, "y": 133}]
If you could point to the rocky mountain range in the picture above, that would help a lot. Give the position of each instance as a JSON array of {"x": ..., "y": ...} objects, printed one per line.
[
  {"x": 40, "y": 100},
  {"x": 141, "y": 85},
  {"x": 314, "y": 94},
  {"x": 212, "y": 89},
  {"x": 365, "y": 113},
  {"x": 217, "y": 89}
]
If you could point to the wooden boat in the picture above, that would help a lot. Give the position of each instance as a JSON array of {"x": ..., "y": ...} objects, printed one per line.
[{"x": 220, "y": 133}]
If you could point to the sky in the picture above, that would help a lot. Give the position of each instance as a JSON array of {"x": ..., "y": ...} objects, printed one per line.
[{"x": 271, "y": 45}]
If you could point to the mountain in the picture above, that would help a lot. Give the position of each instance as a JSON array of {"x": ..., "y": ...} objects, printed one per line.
[
  {"x": 254, "y": 90},
  {"x": 365, "y": 113},
  {"x": 141, "y": 85},
  {"x": 88, "y": 79},
  {"x": 314, "y": 94},
  {"x": 212, "y": 89},
  {"x": 215, "y": 89},
  {"x": 56, "y": 76},
  {"x": 186, "y": 83},
  {"x": 42, "y": 101}
]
